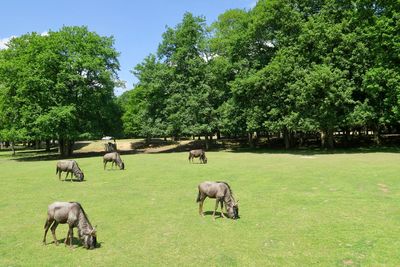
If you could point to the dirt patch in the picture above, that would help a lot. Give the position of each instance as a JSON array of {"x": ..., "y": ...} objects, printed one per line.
[
  {"x": 383, "y": 188},
  {"x": 348, "y": 262}
]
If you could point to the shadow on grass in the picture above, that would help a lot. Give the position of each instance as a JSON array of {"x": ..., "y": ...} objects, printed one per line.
[
  {"x": 218, "y": 215},
  {"x": 70, "y": 180},
  {"x": 226, "y": 145},
  {"x": 76, "y": 243}
]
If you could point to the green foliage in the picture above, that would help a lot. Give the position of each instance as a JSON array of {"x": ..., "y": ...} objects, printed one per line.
[
  {"x": 288, "y": 67},
  {"x": 59, "y": 86}
]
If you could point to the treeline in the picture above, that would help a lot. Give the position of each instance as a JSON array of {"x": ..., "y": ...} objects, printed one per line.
[{"x": 289, "y": 68}]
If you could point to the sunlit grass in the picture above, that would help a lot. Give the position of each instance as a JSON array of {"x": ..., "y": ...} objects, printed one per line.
[{"x": 296, "y": 210}]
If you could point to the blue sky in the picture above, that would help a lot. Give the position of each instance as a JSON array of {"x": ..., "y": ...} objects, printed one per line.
[{"x": 137, "y": 26}]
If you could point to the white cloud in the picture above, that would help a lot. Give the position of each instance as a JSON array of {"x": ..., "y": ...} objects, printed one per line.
[{"x": 4, "y": 41}]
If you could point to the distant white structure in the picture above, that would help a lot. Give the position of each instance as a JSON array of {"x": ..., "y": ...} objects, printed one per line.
[{"x": 108, "y": 146}]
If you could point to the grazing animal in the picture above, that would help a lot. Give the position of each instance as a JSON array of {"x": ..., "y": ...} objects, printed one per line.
[
  {"x": 73, "y": 214},
  {"x": 222, "y": 192},
  {"x": 69, "y": 166},
  {"x": 198, "y": 153},
  {"x": 114, "y": 157}
]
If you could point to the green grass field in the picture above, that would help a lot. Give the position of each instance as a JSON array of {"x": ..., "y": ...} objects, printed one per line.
[{"x": 296, "y": 210}]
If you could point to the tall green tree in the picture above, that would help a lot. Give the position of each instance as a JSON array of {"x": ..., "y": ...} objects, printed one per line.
[{"x": 60, "y": 86}]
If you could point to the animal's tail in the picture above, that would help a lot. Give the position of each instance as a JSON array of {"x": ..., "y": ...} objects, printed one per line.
[
  {"x": 198, "y": 197},
  {"x": 56, "y": 170}
]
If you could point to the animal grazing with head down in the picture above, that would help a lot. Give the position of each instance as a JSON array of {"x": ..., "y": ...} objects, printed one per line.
[
  {"x": 198, "y": 153},
  {"x": 73, "y": 214},
  {"x": 222, "y": 192},
  {"x": 71, "y": 167},
  {"x": 114, "y": 157}
]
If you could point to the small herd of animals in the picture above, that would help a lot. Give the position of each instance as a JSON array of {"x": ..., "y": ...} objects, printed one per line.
[{"x": 74, "y": 215}]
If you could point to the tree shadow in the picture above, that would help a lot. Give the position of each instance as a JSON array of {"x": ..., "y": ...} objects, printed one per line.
[
  {"x": 227, "y": 145},
  {"x": 319, "y": 151}
]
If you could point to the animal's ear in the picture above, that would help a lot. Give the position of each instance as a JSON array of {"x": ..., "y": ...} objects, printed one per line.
[{"x": 93, "y": 232}]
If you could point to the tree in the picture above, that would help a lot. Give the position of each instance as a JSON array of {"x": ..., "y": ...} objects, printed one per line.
[{"x": 60, "y": 86}]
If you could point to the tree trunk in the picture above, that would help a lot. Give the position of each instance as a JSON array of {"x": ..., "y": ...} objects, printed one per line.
[
  {"x": 70, "y": 147},
  {"x": 65, "y": 147},
  {"x": 327, "y": 140},
  {"x": 12, "y": 148},
  {"x": 207, "y": 142},
  {"x": 48, "y": 145},
  {"x": 37, "y": 144},
  {"x": 286, "y": 138},
  {"x": 331, "y": 141},
  {"x": 346, "y": 137},
  {"x": 323, "y": 138},
  {"x": 377, "y": 137},
  {"x": 218, "y": 135},
  {"x": 61, "y": 147},
  {"x": 250, "y": 138}
]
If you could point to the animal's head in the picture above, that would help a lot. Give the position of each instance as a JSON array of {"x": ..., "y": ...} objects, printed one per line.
[
  {"x": 81, "y": 176},
  {"x": 122, "y": 167},
  {"x": 233, "y": 210},
  {"x": 90, "y": 239},
  {"x": 205, "y": 160}
]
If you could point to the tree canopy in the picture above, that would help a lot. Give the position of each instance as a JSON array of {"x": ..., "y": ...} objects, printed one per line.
[
  {"x": 290, "y": 68},
  {"x": 58, "y": 86}
]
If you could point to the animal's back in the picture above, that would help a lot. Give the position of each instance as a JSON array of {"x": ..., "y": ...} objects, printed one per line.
[
  {"x": 197, "y": 152},
  {"x": 211, "y": 189},
  {"x": 65, "y": 165},
  {"x": 110, "y": 156},
  {"x": 60, "y": 210}
]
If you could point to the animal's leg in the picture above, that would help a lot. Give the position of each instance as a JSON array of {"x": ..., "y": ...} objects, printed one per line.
[
  {"x": 216, "y": 207},
  {"x": 105, "y": 163},
  {"x": 71, "y": 235},
  {"x": 222, "y": 209},
  {"x": 66, "y": 241},
  {"x": 59, "y": 175},
  {"x": 53, "y": 232},
  {"x": 201, "y": 207},
  {"x": 46, "y": 228}
]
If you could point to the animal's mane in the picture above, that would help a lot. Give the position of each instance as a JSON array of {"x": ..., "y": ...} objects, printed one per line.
[
  {"x": 75, "y": 167},
  {"x": 222, "y": 182},
  {"x": 84, "y": 213}
]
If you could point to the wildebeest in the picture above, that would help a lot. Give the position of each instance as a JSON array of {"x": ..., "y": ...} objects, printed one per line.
[
  {"x": 198, "y": 153},
  {"x": 73, "y": 214},
  {"x": 69, "y": 166},
  {"x": 114, "y": 157},
  {"x": 222, "y": 192}
]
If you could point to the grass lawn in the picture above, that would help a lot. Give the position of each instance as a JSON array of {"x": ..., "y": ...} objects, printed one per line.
[{"x": 296, "y": 210}]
